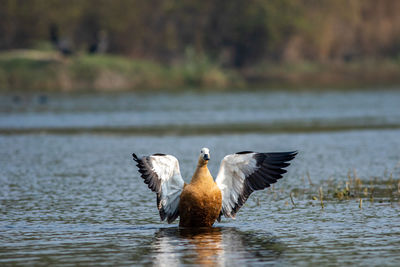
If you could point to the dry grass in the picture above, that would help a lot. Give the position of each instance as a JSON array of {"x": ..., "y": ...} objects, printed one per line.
[{"x": 383, "y": 189}]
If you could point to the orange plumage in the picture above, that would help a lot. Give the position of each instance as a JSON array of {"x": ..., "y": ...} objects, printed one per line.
[{"x": 201, "y": 199}]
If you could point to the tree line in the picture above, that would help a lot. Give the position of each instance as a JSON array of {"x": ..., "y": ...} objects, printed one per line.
[{"x": 232, "y": 33}]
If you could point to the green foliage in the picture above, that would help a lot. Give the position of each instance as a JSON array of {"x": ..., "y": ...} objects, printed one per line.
[
  {"x": 238, "y": 33},
  {"x": 194, "y": 67},
  {"x": 46, "y": 70},
  {"x": 34, "y": 70},
  {"x": 26, "y": 74},
  {"x": 45, "y": 46}
]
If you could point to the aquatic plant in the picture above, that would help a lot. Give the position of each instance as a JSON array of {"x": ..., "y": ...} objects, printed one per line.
[{"x": 384, "y": 189}]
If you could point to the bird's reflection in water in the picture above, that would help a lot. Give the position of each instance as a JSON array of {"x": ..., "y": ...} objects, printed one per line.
[{"x": 217, "y": 246}]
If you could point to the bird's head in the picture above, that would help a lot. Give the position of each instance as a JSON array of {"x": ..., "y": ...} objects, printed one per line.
[{"x": 204, "y": 155}]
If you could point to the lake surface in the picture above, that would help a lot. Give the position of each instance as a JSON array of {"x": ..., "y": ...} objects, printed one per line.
[{"x": 71, "y": 195}]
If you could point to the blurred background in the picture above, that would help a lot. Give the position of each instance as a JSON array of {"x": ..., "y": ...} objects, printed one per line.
[
  {"x": 84, "y": 84},
  {"x": 140, "y": 45}
]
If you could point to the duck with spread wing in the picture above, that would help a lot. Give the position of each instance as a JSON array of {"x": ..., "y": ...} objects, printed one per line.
[{"x": 203, "y": 201}]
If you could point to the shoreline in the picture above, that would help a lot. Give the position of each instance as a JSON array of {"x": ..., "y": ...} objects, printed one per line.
[{"x": 48, "y": 71}]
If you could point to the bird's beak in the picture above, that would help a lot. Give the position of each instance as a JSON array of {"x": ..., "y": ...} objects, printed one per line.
[{"x": 206, "y": 157}]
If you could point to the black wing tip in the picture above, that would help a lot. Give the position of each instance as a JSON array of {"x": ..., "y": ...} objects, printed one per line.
[
  {"x": 135, "y": 158},
  {"x": 288, "y": 153},
  {"x": 295, "y": 152},
  {"x": 281, "y": 156},
  {"x": 162, "y": 214},
  {"x": 291, "y": 155},
  {"x": 159, "y": 154}
]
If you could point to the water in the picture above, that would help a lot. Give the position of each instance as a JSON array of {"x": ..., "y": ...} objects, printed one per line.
[
  {"x": 69, "y": 196},
  {"x": 265, "y": 111}
]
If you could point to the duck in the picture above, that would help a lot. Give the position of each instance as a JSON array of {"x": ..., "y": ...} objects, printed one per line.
[{"x": 204, "y": 200}]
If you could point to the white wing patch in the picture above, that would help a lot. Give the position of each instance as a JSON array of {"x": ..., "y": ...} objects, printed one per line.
[
  {"x": 242, "y": 173},
  {"x": 162, "y": 174},
  {"x": 231, "y": 179}
]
